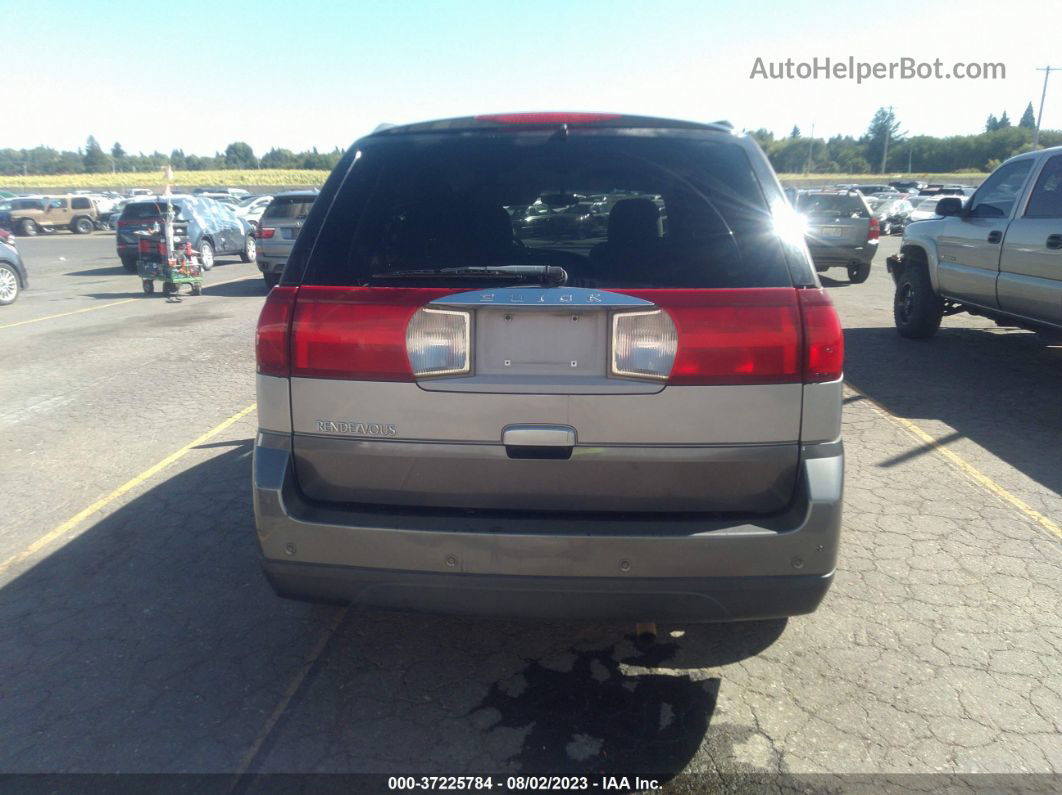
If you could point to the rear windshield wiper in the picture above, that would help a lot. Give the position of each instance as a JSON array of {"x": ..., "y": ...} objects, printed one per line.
[{"x": 543, "y": 274}]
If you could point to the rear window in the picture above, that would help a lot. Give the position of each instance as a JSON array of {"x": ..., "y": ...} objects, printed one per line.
[
  {"x": 136, "y": 210},
  {"x": 292, "y": 207},
  {"x": 831, "y": 204},
  {"x": 612, "y": 210}
]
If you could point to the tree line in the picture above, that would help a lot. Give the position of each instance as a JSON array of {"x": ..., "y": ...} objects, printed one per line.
[
  {"x": 886, "y": 148},
  {"x": 93, "y": 159}
]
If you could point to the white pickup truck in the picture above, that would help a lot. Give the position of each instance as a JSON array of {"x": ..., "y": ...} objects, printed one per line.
[{"x": 999, "y": 256}]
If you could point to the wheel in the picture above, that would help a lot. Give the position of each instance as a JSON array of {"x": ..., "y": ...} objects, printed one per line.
[
  {"x": 271, "y": 279},
  {"x": 129, "y": 263},
  {"x": 27, "y": 228},
  {"x": 82, "y": 226},
  {"x": 858, "y": 272},
  {"x": 250, "y": 250},
  {"x": 206, "y": 255},
  {"x": 916, "y": 309},
  {"x": 197, "y": 289},
  {"x": 149, "y": 286},
  {"x": 9, "y": 286}
]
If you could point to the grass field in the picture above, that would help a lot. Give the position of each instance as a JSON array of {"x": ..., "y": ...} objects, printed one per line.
[
  {"x": 247, "y": 178},
  {"x": 290, "y": 178}
]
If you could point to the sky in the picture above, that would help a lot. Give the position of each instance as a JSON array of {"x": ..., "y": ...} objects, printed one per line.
[{"x": 198, "y": 75}]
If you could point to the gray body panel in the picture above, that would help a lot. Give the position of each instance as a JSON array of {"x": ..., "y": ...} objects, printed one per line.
[
  {"x": 968, "y": 264},
  {"x": 1030, "y": 278},
  {"x": 550, "y": 553}
]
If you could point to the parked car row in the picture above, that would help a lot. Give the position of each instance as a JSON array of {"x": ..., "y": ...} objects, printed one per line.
[{"x": 213, "y": 228}]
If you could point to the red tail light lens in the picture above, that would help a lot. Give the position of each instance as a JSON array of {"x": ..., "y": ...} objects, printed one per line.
[
  {"x": 823, "y": 337},
  {"x": 875, "y": 229},
  {"x": 272, "y": 339},
  {"x": 744, "y": 336},
  {"x": 356, "y": 333},
  {"x": 266, "y": 232},
  {"x": 143, "y": 246}
]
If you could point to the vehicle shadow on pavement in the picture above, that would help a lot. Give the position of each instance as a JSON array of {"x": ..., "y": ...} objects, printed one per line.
[
  {"x": 109, "y": 270},
  {"x": 828, "y": 282},
  {"x": 997, "y": 388},
  {"x": 151, "y": 643}
]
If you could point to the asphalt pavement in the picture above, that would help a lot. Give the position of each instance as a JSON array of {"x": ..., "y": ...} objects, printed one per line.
[{"x": 137, "y": 634}]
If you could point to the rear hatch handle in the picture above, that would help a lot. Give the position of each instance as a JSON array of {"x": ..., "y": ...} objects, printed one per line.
[{"x": 539, "y": 441}]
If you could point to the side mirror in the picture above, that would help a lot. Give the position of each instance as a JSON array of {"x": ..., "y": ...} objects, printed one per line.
[{"x": 948, "y": 206}]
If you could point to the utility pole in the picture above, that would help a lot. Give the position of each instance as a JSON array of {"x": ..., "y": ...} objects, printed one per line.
[
  {"x": 1047, "y": 73},
  {"x": 885, "y": 151},
  {"x": 811, "y": 147},
  {"x": 910, "y": 146}
]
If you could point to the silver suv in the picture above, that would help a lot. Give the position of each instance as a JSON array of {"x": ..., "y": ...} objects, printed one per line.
[
  {"x": 841, "y": 231},
  {"x": 278, "y": 228},
  {"x": 632, "y": 411}
]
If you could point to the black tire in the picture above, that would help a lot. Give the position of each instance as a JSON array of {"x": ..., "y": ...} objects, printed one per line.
[
  {"x": 250, "y": 249},
  {"x": 858, "y": 272},
  {"x": 129, "y": 263},
  {"x": 206, "y": 255},
  {"x": 271, "y": 279},
  {"x": 27, "y": 227},
  {"x": 82, "y": 226},
  {"x": 916, "y": 309},
  {"x": 10, "y": 286},
  {"x": 197, "y": 289},
  {"x": 149, "y": 286}
]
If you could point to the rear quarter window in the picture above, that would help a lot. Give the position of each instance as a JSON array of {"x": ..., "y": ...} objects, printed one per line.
[{"x": 614, "y": 210}]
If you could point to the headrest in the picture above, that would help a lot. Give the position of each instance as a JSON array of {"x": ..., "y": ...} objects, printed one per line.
[{"x": 633, "y": 221}]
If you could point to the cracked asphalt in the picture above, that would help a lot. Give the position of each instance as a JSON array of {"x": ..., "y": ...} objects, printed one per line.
[{"x": 144, "y": 639}]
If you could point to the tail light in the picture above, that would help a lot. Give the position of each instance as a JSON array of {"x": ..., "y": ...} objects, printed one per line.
[
  {"x": 272, "y": 339},
  {"x": 143, "y": 246},
  {"x": 643, "y": 344},
  {"x": 748, "y": 336},
  {"x": 875, "y": 229},
  {"x": 823, "y": 337},
  {"x": 266, "y": 232},
  {"x": 438, "y": 342},
  {"x": 362, "y": 333}
]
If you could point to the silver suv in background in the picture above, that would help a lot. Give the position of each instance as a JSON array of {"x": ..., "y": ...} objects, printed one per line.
[
  {"x": 278, "y": 229},
  {"x": 841, "y": 231},
  {"x": 634, "y": 419}
]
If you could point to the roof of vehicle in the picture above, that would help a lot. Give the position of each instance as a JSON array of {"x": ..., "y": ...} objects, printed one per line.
[
  {"x": 305, "y": 192},
  {"x": 547, "y": 119}
]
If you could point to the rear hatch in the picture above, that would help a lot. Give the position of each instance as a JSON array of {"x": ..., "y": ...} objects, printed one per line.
[
  {"x": 138, "y": 216},
  {"x": 281, "y": 223},
  {"x": 645, "y": 353},
  {"x": 835, "y": 219}
]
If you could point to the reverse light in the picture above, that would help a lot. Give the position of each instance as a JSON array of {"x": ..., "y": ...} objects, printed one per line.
[
  {"x": 643, "y": 344},
  {"x": 438, "y": 342}
]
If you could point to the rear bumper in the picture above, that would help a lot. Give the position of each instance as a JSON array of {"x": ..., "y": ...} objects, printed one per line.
[
  {"x": 664, "y": 599},
  {"x": 551, "y": 566},
  {"x": 833, "y": 256}
]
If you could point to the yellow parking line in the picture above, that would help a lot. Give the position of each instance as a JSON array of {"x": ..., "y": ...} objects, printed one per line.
[
  {"x": 66, "y": 314},
  {"x": 289, "y": 693},
  {"x": 965, "y": 467},
  {"x": 129, "y": 485},
  {"x": 116, "y": 303}
]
